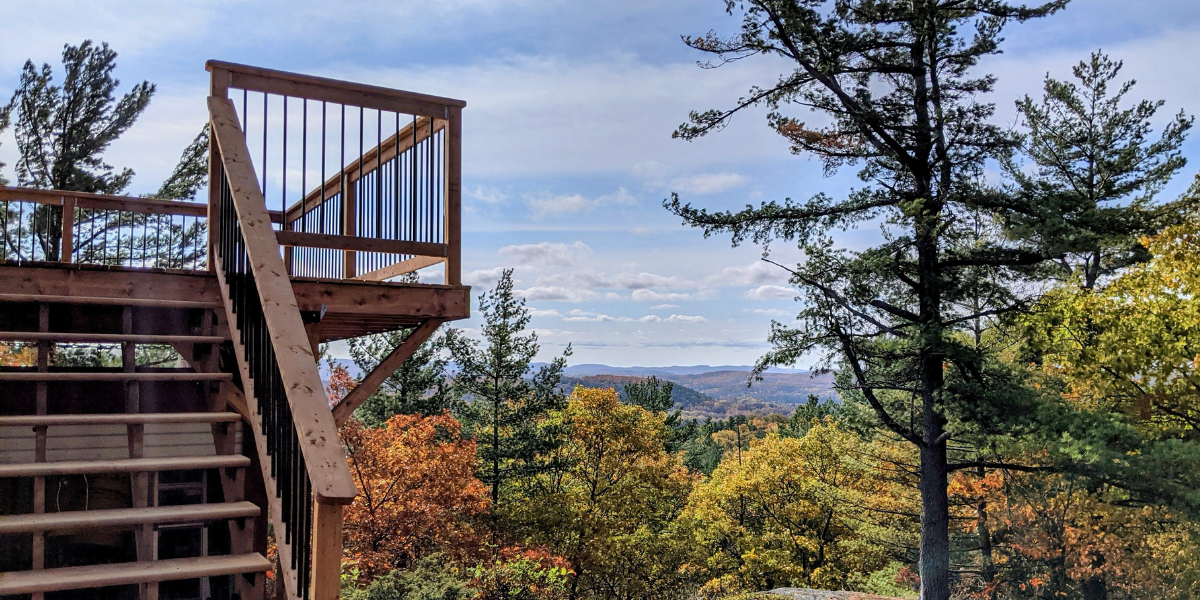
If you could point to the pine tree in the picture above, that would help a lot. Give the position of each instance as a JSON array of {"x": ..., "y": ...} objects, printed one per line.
[
  {"x": 656, "y": 396},
  {"x": 63, "y": 131},
  {"x": 190, "y": 174},
  {"x": 420, "y": 386},
  {"x": 897, "y": 79},
  {"x": 652, "y": 394},
  {"x": 1096, "y": 171},
  {"x": 4, "y": 121},
  {"x": 507, "y": 400}
]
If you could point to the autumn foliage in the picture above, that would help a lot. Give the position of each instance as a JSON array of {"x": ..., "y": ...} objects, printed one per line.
[{"x": 417, "y": 493}]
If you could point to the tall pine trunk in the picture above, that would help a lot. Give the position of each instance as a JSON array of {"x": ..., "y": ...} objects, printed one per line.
[{"x": 935, "y": 524}]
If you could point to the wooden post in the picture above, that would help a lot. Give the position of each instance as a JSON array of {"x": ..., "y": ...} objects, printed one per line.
[
  {"x": 68, "y": 229},
  {"x": 349, "y": 225},
  {"x": 218, "y": 86},
  {"x": 454, "y": 197},
  {"x": 39, "y": 445},
  {"x": 326, "y": 551},
  {"x": 136, "y": 433}
]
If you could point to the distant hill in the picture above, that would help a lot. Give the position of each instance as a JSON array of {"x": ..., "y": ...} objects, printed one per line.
[
  {"x": 595, "y": 369},
  {"x": 701, "y": 391},
  {"x": 683, "y": 396},
  {"x": 778, "y": 388}
]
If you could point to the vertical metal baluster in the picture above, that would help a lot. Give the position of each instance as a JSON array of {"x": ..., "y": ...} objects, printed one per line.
[
  {"x": 379, "y": 174},
  {"x": 321, "y": 194},
  {"x": 413, "y": 174},
  {"x": 283, "y": 189},
  {"x": 396, "y": 185},
  {"x": 361, "y": 186},
  {"x": 264, "y": 160},
  {"x": 304, "y": 166},
  {"x": 20, "y": 221},
  {"x": 341, "y": 171}
]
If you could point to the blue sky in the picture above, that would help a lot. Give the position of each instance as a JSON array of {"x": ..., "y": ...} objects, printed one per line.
[{"x": 567, "y": 149}]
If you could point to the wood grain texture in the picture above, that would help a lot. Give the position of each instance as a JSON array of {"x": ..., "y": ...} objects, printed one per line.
[
  {"x": 320, "y": 445},
  {"x": 360, "y": 244},
  {"x": 415, "y": 263},
  {"x": 296, "y": 85},
  {"x": 383, "y": 370},
  {"x": 126, "y": 517},
  {"x": 129, "y": 465},
  {"x": 74, "y": 578}
]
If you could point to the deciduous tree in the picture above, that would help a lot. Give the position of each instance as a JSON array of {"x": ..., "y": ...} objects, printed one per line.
[
  {"x": 417, "y": 493},
  {"x": 793, "y": 512},
  {"x": 609, "y": 506}
]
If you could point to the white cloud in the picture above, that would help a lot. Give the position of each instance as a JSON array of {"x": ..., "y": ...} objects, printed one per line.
[
  {"x": 685, "y": 319},
  {"x": 487, "y": 195},
  {"x": 706, "y": 183},
  {"x": 581, "y": 316},
  {"x": 552, "y": 292},
  {"x": 645, "y": 295},
  {"x": 771, "y": 292},
  {"x": 552, "y": 204},
  {"x": 663, "y": 306},
  {"x": 755, "y": 273},
  {"x": 546, "y": 253},
  {"x": 550, "y": 312},
  {"x": 483, "y": 277},
  {"x": 546, "y": 204},
  {"x": 645, "y": 280},
  {"x": 650, "y": 319},
  {"x": 771, "y": 312}
]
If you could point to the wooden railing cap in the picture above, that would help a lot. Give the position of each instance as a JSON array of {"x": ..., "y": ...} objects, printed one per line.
[{"x": 334, "y": 83}]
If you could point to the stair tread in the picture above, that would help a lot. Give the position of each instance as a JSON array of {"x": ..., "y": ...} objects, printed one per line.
[
  {"x": 67, "y": 336},
  {"x": 117, "y": 517},
  {"x": 120, "y": 419},
  {"x": 72, "y": 578},
  {"x": 125, "y": 465},
  {"x": 116, "y": 376}
]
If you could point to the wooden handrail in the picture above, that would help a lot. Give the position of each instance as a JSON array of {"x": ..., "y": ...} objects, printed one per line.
[
  {"x": 432, "y": 115},
  {"x": 319, "y": 445},
  {"x": 321, "y": 448},
  {"x": 359, "y": 244},
  {"x": 149, "y": 206},
  {"x": 297, "y": 85}
]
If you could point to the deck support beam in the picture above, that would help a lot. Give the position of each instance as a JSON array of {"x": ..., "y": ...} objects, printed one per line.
[{"x": 386, "y": 367}]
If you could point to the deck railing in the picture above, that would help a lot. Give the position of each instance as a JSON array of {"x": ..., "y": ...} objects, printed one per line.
[
  {"x": 295, "y": 434},
  {"x": 368, "y": 179},
  {"x": 73, "y": 227}
]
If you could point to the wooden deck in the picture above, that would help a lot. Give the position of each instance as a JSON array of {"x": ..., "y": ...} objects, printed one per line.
[
  {"x": 351, "y": 308},
  {"x": 286, "y": 253}
]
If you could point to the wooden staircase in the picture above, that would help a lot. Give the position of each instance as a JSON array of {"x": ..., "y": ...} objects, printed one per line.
[
  {"x": 137, "y": 473},
  {"x": 128, "y": 481}
]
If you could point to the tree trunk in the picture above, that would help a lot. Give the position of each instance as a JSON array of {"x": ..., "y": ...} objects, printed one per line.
[
  {"x": 935, "y": 520},
  {"x": 987, "y": 562}
]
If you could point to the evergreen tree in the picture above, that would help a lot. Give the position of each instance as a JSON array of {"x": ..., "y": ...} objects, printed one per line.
[
  {"x": 190, "y": 174},
  {"x": 419, "y": 387},
  {"x": 897, "y": 80},
  {"x": 1096, "y": 173},
  {"x": 4, "y": 121},
  {"x": 508, "y": 400},
  {"x": 63, "y": 131},
  {"x": 652, "y": 394},
  {"x": 656, "y": 396}
]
